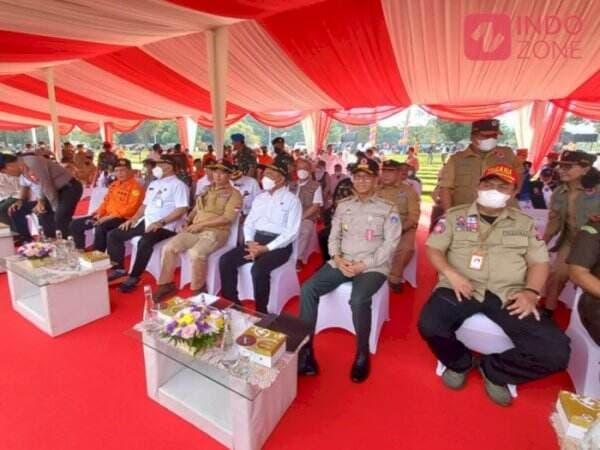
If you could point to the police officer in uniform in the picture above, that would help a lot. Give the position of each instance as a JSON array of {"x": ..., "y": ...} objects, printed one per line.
[
  {"x": 460, "y": 177},
  {"x": 408, "y": 204},
  {"x": 282, "y": 157},
  {"x": 269, "y": 231},
  {"x": 490, "y": 261},
  {"x": 207, "y": 230},
  {"x": 124, "y": 197},
  {"x": 364, "y": 234},
  {"x": 245, "y": 158},
  {"x": 571, "y": 206}
]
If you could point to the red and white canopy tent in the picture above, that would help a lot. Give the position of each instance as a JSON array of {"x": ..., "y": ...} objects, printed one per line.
[{"x": 112, "y": 64}]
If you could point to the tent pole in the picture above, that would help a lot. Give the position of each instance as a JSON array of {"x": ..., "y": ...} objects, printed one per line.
[
  {"x": 33, "y": 136},
  {"x": 217, "y": 45},
  {"x": 191, "y": 129},
  {"x": 53, "y": 115},
  {"x": 102, "y": 133}
]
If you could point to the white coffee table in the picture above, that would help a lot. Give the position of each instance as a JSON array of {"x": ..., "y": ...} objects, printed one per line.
[
  {"x": 230, "y": 409},
  {"x": 7, "y": 248},
  {"x": 57, "y": 301}
]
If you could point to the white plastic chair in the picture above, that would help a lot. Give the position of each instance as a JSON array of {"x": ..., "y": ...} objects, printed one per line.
[
  {"x": 584, "y": 364},
  {"x": 213, "y": 278},
  {"x": 284, "y": 283},
  {"x": 335, "y": 312},
  {"x": 312, "y": 247},
  {"x": 484, "y": 336},
  {"x": 154, "y": 265}
]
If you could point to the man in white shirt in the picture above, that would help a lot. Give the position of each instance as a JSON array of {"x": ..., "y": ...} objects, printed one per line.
[
  {"x": 310, "y": 194},
  {"x": 330, "y": 158},
  {"x": 269, "y": 231},
  {"x": 165, "y": 204},
  {"x": 405, "y": 170},
  {"x": 249, "y": 188},
  {"x": 338, "y": 175},
  {"x": 9, "y": 186}
]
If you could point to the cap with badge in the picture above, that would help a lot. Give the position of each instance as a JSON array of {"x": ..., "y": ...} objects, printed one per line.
[
  {"x": 366, "y": 165},
  {"x": 279, "y": 167},
  {"x": 390, "y": 164},
  {"x": 237, "y": 137},
  {"x": 278, "y": 140},
  {"x": 222, "y": 164},
  {"x": 123, "y": 162},
  {"x": 569, "y": 157},
  {"x": 486, "y": 127},
  {"x": 168, "y": 159},
  {"x": 502, "y": 171}
]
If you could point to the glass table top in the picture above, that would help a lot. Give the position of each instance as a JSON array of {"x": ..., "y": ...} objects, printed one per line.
[{"x": 223, "y": 365}]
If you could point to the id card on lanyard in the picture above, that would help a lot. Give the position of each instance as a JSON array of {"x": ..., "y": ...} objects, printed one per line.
[
  {"x": 479, "y": 255},
  {"x": 158, "y": 201}
]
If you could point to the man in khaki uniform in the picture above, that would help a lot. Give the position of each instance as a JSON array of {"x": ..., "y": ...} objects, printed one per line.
[
  {"x": 310, "y": 194},
  {"x": 407, "y": 202},
  {"x": 365, "y": 231},
  {"x": 490, "y": 261},
  {"x": 208, "y": 229},
  {"x": 460, "y": 177},
  {"x": 571, "y": 206}
]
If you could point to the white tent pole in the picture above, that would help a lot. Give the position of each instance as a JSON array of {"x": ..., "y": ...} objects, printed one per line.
[
  {"x": 55, "y": 141},
  {"x": 33, "y": 136},
  {"x": 102, "y": 133},
  {"x": 217, "y": 46},
  {"x": 191, "y": 129}
]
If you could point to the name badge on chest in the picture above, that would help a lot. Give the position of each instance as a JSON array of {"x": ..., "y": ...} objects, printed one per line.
[
  {"x": 477, "y": 258},
  {"x": 369, "y": 232}
]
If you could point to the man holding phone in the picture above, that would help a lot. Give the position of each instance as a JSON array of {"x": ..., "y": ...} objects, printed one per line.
[{"x": 124, "y": 197}]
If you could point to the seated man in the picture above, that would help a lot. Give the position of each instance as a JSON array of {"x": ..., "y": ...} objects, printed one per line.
[
  {"x": 9, "y": 186},
  {"x": 123, "y": 199},
  {"x": 364, "y": 233},
  {"x": 269, "y": 231},
  {"x": 490, "y": 261},
  {"x": 208, "y": 229},
  {"x": 311, "y": 198},
  {"x": 165, "y": 204},
  {"x": 86, "y": 173},
  {"x": 408, "y": 204}
]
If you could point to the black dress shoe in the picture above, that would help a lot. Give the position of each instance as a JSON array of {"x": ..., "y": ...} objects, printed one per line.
[
  {"x": 307, "y": 364},
  {"x": 360, "y": 368}
]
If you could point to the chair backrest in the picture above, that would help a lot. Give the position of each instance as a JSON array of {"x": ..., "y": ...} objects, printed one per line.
[
  {"x": 233, "y": 232},
  {"x": 96, "y": 198}
]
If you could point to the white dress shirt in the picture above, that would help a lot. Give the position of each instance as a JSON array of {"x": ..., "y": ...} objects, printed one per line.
[
  {"x": 35, "y": 190},
  {"x": 414, "y": 184},
  {"x": 9, "y": 186},
  {"x": 162, "y": 198},
  {"x": 202, "y": 184},
  {"x": 249, "y": 188},
  {"x": 279, "y": 213},
  {"x": 331, "y": 161},
  {"x": 547, "y": 192}
]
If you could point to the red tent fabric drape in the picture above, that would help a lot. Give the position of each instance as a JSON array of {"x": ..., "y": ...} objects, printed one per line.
[
  {"x": 125, "y": 126},
  {"x": 182, "y": 132},
  {"x": 65, "y": 128},
  {"x": 89, "y": 128},
  {"x": 547, "y": 121},
  {"x": 471, "y": 113},
  {"x": 206, "y": 119},
  {"x": 363, "y": 116},
  {"x": 322, "y": 123},
  {"x": 587, "y": 110},
  {"x": 280, "y": 119},
  {"x": 13, "y": 126}
]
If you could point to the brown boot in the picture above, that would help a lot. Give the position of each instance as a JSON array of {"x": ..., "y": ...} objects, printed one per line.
[{"x": 164, "y": 291}]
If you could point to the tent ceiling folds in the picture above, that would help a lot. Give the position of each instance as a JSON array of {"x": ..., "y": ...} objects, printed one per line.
[{"x": 356, "y": 60}]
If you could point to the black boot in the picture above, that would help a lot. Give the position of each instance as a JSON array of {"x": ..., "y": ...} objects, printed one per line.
[
  {"x": 307, "y": 364},
  {"x": 360, "y": 368}
]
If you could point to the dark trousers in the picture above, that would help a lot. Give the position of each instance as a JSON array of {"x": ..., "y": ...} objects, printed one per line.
[
  {"x": 364, "y": 285},
  {"x": 79, "y": 226},
  {"x": 116, "y": 246},
  {"x": 68, "y": 197},
  {"x": 541, "y": 348},
  {"x": 19, "y": 221},
  {"x": 261, "y": 270},
  {"x": 324, "y": 242}
]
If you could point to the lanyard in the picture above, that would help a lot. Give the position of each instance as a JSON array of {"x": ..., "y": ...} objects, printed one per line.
[{"x": 484, "y": 236}]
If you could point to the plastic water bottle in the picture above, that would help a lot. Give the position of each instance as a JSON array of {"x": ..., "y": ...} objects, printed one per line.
[
  {"x": 150, "y": 314},
  {"x": 71, "y": 254}
]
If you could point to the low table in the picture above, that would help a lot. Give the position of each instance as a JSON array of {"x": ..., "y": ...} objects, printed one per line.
[
  {"x": 57, "y": 301},
  {"x": 224, "y": 402},
  {"x": 7, "y": 247}
]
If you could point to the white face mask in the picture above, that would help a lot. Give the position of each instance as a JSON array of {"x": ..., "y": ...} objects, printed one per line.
[
  {"x": 157, "y": 172},
  {"x": 492, "y": 199},
  {"x": 268, "y": 183},
  {"x": 485, "y": 145},
  {"x": 303, "y": 174}
]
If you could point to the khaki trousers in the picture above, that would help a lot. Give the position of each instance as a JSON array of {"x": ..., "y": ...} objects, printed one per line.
[
  {"x": 559, "y": 275},
  {"x": 199, "y": 247},
  {"x": 306, "y": 228},
  {"x": 402, "y": 255}
]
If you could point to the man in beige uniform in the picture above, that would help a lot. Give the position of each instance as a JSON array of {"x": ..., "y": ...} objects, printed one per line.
[
  {"x": 208, "y": 229},
  {"x": 490, "y": 261},
  {"x": 460, "y": 177},
  {"x": 365, "y": 231},
  {"x": 408, "y": 203},
  {"x": 571, "y": 206},
  {"x": 310, "y": 194}
]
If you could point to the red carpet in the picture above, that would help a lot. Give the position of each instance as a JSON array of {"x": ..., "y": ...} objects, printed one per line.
[{"x": 86, "y": 390}]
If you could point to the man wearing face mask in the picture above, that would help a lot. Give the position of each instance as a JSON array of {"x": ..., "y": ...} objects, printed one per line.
[
  {"x": 269, "y": 231},
  {"x": 490, "y": 261},
  {"x": 571, "y": 206},
  {"x": 165, "y": 204},
  {"x": 364, "y": 233},
  {"x": 311, "y": 198},
  {"x": 461, "y": 174}
]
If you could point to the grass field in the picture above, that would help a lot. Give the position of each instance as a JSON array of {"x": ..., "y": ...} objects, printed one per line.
[{"x": 427, "y": 173}]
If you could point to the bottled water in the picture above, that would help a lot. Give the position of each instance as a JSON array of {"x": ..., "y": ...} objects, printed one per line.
[{"x": 71, "y": 254}]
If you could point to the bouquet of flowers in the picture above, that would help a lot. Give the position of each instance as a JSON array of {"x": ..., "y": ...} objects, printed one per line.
[
  {"x": 197, "y": 327},
  {"x": 35, "y": 250}
]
